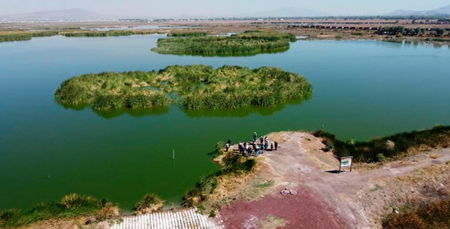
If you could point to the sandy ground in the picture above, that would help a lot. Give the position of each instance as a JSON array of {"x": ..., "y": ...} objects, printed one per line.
[{"x": 325, "y": 199}]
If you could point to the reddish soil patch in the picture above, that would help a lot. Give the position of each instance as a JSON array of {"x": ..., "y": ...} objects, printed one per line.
[{"x": 304, "y": 210}]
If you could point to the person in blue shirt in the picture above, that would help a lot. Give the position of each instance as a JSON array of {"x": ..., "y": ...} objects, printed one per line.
[{"x": 258, "y": 151}]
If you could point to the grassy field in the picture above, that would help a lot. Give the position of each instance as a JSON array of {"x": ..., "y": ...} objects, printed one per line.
[
  {"x": 244, "y": 44},
  {"x": 69, "y": 207},
  {"x": 190, "y": 87},
  {"x": 388, "y": 148}
]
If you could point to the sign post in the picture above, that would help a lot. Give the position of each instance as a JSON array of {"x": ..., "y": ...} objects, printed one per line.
[{"x": 345, "y": 163}]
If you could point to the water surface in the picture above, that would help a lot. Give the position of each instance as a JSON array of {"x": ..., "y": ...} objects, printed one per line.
[{"x": 361, "y": 89}]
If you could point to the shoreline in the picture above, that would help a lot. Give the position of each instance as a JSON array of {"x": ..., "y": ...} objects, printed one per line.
[
  {"x": 226, "y": 27},
  {"x": 275, "y": 170}
]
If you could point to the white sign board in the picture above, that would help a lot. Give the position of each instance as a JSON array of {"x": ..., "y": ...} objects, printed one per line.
[{"x": 346, "y": 162}]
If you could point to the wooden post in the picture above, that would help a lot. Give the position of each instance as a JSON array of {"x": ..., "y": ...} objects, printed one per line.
[{"x": 340, "y": 163}]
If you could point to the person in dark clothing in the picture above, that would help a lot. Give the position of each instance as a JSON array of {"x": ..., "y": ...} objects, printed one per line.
[
  {"x": 276, "y": 145},
  {"x": 228, "y": 145},
  {"x": 261, "y": 140},
  {"x": 241, "y": 148},
  {"x": 271, "y": 146}
]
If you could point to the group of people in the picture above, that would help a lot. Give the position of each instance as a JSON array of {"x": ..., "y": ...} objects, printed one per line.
[{"x": 254, "y": 148}]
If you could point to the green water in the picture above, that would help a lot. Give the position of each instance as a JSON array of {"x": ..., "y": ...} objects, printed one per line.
[{"x": 361, "y": 89}]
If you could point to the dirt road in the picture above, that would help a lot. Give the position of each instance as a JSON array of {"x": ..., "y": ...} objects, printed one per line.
[{"x": 325, "y": 199}]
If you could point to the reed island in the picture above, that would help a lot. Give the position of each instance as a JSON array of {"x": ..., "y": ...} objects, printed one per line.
[
  {"x": 243, "y": 44},
  {"x": 190, "y": 87}
]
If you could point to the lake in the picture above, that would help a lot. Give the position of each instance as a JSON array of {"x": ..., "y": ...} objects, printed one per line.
[{"x": 361, "y": 90}]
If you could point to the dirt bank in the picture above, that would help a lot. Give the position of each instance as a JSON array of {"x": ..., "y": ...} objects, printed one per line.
[{"x": 327, "y": 199}]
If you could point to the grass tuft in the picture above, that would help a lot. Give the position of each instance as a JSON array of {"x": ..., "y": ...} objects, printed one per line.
[{"x": 149, "y": 203}]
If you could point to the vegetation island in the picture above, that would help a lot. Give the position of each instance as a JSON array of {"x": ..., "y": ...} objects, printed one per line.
[
  {"x": 243, "y": 44},
  {"x": 24, "y": 36},
  {"x": 190, "y": 87}
]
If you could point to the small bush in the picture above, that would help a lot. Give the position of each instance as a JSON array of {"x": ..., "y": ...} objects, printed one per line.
[
  {"x": 77, "y": 201},
  {"x": 109, "y": 211},
  {"x": 406, "y": 220},
  {"x": 381, "y": 157},
  {"x": 149, "y": 203}
]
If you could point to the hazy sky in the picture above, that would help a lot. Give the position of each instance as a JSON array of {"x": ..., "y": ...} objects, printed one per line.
[{"x": 213, "y": 7}]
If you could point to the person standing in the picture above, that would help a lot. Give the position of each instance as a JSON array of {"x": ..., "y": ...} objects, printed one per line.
[
  {"x": 266, "y": 143},
  {"x": 276, "y": 145},
  {"x": 228, "y": 145},
  {"x": 241, "y": 148},
  {"x": 255, "y": 136}
]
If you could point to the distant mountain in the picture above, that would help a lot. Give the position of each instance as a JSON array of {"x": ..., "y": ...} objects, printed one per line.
[
  {"x": 57, "y": 15},
  {"x": 288, "y": 12},
  {"x": 443, "y": 10},
  {"x": 439, "y": 11}
]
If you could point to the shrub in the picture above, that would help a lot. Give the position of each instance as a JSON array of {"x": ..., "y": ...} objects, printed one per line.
[
  {"x": 109, "y": 211},
  {"x": 395, "y": 146},
  {"x": 206, "y": 186},
  {"x": 406, "y": 220},
  {"x": 427, "y": 215},
  {"x": 149, "y": 203},
  {"x": 77, "y": 201},
  {"x": 233, "y": 164},
  {"x": 381, "y": 157}
]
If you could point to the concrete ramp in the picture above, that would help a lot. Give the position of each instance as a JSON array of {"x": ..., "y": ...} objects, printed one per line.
[{"x": 187, "y": 219}]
